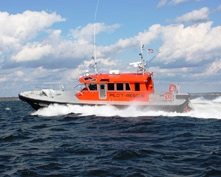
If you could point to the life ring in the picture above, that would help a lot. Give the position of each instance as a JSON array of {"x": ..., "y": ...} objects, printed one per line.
[
  {"x": 168, "y": 96},
  {"x": 173, "y": 88}
]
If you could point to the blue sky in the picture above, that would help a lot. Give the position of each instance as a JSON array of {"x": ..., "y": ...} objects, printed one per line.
[{"x": 51, "y": 41}]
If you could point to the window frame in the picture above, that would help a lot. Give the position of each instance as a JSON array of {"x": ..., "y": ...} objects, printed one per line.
[
  {"x": 137, "y": 86},
  {"x": 120, "y": 86},
  {"x": 108, "y": 86},
  {"x": 89, "y": 87}
]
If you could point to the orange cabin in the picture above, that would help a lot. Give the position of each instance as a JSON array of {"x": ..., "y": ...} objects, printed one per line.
[{"x": 116, "y": 87}]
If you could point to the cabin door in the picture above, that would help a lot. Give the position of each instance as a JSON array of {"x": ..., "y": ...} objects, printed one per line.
[{"x": 102, "y": 91}]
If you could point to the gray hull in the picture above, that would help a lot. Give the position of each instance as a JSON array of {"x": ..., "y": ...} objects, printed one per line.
[{"x": 43, "y": 98}]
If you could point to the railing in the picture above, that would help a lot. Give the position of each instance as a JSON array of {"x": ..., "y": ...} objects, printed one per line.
[
  {"x": 79, "y": 87},
  {"x": 55, "y": 86}
]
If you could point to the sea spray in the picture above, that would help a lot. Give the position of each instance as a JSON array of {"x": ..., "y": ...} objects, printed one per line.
[{"x": 202, "y": 108}]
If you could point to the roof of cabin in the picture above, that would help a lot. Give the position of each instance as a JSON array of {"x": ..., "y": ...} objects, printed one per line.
[{"x": 121, "y": 77}]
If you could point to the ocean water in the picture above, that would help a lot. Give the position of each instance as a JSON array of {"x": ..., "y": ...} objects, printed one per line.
[{"x": 104, "y": 141}]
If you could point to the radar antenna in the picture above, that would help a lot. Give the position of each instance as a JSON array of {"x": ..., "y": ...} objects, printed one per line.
[{"x": 141, "y": 65}]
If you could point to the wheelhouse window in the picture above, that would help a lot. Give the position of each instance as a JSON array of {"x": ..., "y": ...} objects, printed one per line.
[
  {"x": 87, "y": 78},
  {"x": 92, "y": 87},
  {"x": 120, "y": 86},
  {"x": 127, "y": 86},
  {"x": 137, "y": 86},
  {"x": 110, "y": 86}
]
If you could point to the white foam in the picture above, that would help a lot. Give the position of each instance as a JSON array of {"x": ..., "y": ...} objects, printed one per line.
[
  {"x": 7, "y": 109},
  {"x": 206, "y": 108},
  {"x": 217, "y": 100},
  {"x": 201, "y": 109}
]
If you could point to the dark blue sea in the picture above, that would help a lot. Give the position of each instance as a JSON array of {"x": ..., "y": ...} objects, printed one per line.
[{"x": 104, "y": 141}]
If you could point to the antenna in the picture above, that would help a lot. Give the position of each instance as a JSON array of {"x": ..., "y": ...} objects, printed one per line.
[
  {"x": 142, "y": 59},
  {"x": 140, "y": 65},
  {"x": 95, "y": 56}
]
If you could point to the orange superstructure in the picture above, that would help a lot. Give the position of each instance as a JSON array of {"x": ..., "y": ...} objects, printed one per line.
[{"x": 116, "y": 87}]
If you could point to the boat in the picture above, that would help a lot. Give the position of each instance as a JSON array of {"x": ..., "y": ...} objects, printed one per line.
[{"x": 114, "y": 88}]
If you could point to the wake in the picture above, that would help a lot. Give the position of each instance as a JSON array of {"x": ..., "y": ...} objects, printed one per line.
[{"x": 202, "y": 108}]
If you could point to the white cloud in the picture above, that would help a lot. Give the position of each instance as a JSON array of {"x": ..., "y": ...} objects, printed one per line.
[
  {"x": 3, "y": 79},
  {"x": 103, "y": 64},
  {"x": 170, "y": 72},
  {"x": 161, "y": 3},
  {"x": 87, "y": 33},
  {"x": 32, "y": 52},
  {"x": 141, "y": 38},
  {"x": 19, "y": 73},
  {"x": 25, "y": 26},
  {"x": 192, "y": 44},
  {"x": 39, "y": 71},
  {"x": 214, "y": 68},
  {"x": 175, "y": 2},
  {"x": 194, "y": 16},
  {"x": 18, "y": 30},
  {"x": 58, "y": 49},
  {"x": 219, "y": 8}
]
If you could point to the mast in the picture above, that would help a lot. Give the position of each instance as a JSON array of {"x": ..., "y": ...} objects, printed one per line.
[
  {"x": 142, "y": 59},
  {"x": 94, "y": 43}
]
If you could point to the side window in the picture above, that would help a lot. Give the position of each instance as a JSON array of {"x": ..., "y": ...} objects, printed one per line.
[
  {"x": 127, "y": 86},
  {"x": 137, "y": 86},
  {"x": 92, "y": 87},
  {"x": 120, "y": 86},
  {"x": 110, "y": 86}
]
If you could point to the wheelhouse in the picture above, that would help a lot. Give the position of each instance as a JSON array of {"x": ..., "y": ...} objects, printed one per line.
[{"x": 116, "y": 87}]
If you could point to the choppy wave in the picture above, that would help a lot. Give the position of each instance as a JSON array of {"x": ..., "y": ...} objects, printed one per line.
[
  {"x": 71, "y": 145},
  {"x": 202, "y": 108}
]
